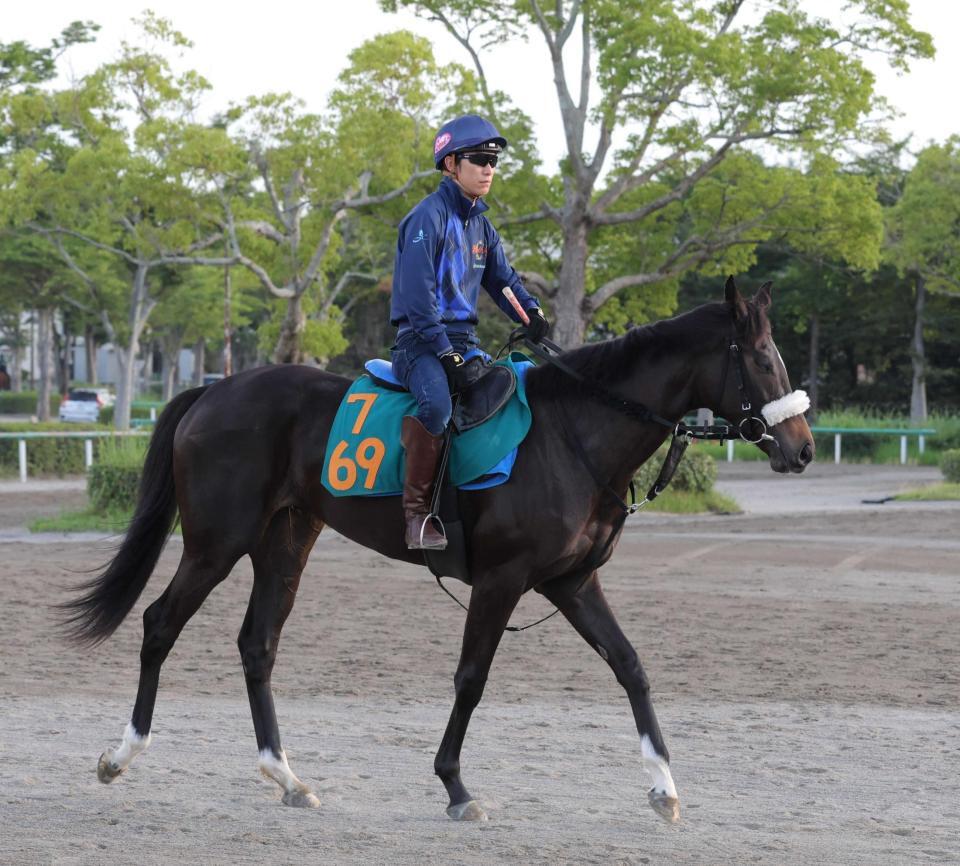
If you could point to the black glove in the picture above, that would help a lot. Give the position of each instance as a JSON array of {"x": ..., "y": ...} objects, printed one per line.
[
  {"x": 538, "y": 327},
  {"x": 456, "y": 369}
]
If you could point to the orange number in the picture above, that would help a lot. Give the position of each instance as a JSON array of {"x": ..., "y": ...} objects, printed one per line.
[
  {"x": 370, "y": 462},
  {"x": 367, "y": 400},
  {"x": 340, "y": 463}
]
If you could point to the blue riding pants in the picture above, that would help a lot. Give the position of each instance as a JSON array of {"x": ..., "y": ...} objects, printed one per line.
[{"x": 422, "y": 374}]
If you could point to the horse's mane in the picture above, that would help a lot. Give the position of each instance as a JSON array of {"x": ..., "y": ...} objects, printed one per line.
[{"x": 610, "y": 361}]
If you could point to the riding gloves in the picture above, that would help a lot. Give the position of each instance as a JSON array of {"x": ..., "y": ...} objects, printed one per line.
[
  {"x": 538, "y": 327},
  {"x": 457, "y": 371}
]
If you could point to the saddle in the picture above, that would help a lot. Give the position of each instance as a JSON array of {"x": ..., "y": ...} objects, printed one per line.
[{"x": 491, "y": 387}]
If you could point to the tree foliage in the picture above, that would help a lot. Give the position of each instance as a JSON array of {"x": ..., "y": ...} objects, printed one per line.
[{"x": 666, "y": 95}]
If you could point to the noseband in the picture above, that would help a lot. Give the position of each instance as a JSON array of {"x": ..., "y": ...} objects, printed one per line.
[{"x": 773, "y": 413}]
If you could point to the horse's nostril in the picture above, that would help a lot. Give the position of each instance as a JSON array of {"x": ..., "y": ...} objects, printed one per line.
[{"x": 806, "y": 454}]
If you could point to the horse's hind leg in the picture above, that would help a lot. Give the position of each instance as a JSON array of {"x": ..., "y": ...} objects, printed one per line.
[
  {"x": 163, "y": 621},
  {"x": 587, "y": 610},
  {"x": 277, "y": 564}
]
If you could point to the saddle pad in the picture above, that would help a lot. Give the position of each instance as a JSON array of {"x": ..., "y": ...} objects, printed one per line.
[{"x": 364, "y": 456}]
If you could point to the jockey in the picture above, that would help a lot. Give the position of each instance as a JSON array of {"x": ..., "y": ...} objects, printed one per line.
[{"x": 447, "y": 249}]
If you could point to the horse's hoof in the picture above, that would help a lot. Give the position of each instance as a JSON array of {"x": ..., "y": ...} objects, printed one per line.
[
  {"x": 666, "y": 807},
  {"x": 301, "y": 799},
  {"x": 469, "y": 811},
  {"x": 107, "y": 769}
]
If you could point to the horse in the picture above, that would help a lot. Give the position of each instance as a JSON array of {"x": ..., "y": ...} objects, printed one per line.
[{"x": 242, "y": 460}]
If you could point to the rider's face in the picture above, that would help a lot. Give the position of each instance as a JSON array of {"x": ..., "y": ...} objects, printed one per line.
[{"x": 474, "y": 180}]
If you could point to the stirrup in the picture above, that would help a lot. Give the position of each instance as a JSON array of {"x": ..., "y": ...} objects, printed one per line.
[{"x": 423, "y": 527}]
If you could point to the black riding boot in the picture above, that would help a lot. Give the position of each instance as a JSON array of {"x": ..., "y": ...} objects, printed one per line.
[{"x": 423, "y": 454}]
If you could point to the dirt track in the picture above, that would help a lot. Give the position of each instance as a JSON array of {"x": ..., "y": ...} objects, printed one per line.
[{"x": 804, "y": 665}]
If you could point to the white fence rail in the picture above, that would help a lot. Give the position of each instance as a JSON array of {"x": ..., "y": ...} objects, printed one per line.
[{"x": 87, "y": 435}]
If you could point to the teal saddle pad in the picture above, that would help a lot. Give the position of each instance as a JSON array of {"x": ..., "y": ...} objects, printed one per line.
[{"x": 364, "y": 456}]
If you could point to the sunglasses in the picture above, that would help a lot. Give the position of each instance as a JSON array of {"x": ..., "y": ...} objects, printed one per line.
[{"x": 480, "y": 158}]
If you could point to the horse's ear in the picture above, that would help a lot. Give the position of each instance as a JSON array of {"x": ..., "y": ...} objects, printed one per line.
[
  {"x": 734, "y": 299},
  {"x": 763, "y": 298},
  {"x": 730, "y": 290}
]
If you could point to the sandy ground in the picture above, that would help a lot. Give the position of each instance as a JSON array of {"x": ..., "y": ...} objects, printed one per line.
[{"x": 804, "y": 661}]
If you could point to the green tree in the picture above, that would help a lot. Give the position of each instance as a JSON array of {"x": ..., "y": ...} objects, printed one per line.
[
  {"x": 143, "y": 196},
  {"x": 33, "y": 278},
  {"x": 667, "y": 94},
  {"x": 22, "y": 69},
  {"x": 320, "y": 172},
  {"x": 923, "y": 242}
]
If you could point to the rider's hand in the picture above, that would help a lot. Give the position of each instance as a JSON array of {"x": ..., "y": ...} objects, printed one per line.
[
  {"x": 456, "y": 369},
  {"x": 539, "y": 326}
]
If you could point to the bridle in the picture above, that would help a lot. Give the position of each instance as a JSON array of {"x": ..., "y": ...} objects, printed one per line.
[{"x": 795, "y": 403}]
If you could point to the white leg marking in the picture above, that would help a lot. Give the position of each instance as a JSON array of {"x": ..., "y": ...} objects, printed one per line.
[
  {"x": 657, "y": 767},
  {"x": 114, "y": 761},
  {"x": 295, "y": 793},
  {"x": 133, "y": 744}
]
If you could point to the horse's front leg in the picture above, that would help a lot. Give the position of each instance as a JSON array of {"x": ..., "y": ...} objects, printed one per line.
[
  {"x": 491, "y": 603},
  {"x": 587, "y": 610}
]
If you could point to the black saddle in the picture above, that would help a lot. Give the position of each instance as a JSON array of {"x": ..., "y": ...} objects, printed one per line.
[{"x": 489, "y": 390}]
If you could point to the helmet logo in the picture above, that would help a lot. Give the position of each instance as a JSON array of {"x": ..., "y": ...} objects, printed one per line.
[{"x": 441, "y": 142}]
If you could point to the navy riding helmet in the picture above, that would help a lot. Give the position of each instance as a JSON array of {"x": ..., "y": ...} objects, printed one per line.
[{"x": 463, "y": 133}]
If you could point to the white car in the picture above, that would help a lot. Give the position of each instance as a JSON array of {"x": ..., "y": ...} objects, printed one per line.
[{"x": 82, "y": 406}]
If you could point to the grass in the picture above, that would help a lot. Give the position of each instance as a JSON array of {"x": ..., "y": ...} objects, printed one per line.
[
  {"x": 87, "y": 520},
  {"x": 688, "y": 502},
  {"x": 932, "y": 493}
]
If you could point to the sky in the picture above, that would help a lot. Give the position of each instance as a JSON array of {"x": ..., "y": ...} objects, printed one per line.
[{"x": 246, "y": 48}]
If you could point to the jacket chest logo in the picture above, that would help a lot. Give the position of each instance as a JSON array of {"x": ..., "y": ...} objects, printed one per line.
[{"x": 479, "y": 255}]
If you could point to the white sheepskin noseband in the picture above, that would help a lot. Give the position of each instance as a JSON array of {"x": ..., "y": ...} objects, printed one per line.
[{"x": 786, "y": 407}]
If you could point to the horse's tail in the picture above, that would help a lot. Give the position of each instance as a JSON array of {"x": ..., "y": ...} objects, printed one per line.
[{"x": 108, "y": 598}]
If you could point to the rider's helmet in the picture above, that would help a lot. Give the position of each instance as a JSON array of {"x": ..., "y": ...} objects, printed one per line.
[{"x": 470, "y": 132}]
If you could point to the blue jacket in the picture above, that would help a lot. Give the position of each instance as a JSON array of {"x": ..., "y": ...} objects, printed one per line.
[{"x": 446, "y": 251}]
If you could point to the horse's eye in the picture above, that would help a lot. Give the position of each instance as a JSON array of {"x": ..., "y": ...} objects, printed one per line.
[{"x": 764, "y": 365}]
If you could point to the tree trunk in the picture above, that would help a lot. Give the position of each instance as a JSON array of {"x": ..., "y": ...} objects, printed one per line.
[
  {"x": 918, "y": 393},
  {"x": 16, "y": 370},
  {"x": 199, "y": 352},
  {"x": 813, "y": 387},
  {"x": 127, "y": 356},
  {"x": 126, "y": 364},
  {"x": 571, "y": 320},
  {"x": 289, "y": 349},
  {"x": 146, "y": 371},
  {"x": 169, "y": 379},
  {"x": 170, "y": 347},
  {"x": 62, "y": 346},
  {"x": 227, "y": 326},
  {"x": 90, "y": 353},
  {"x": 45, "y": 362}
]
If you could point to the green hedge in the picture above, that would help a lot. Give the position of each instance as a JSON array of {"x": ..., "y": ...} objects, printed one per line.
[
  {"x": 106, "y": 414},
  {"x": 950, "y": 465},
  {"x": 696, "y": 473},
  {"x": 24, "y": 403},
  {"x": 113, "y": 481},
  {"x": 44, "y": 456}
]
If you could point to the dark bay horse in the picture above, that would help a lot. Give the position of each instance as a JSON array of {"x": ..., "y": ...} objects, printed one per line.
[{"x": 242, "y": 461}]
